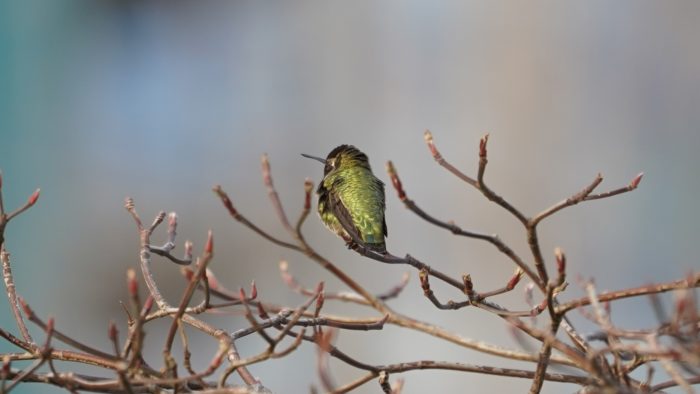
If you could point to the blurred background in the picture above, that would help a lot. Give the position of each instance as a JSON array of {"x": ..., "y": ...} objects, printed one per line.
[{"x": 161, "y": 100}]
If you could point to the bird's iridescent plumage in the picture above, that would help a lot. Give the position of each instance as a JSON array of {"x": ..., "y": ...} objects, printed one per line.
[{"x": 351, "y": 199}]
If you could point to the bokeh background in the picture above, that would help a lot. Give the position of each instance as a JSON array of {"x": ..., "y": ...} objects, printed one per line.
[{"x": 161, "y": 100}]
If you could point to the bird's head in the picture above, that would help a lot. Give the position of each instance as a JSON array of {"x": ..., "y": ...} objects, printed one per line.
[{"x": 340, "y": 158}]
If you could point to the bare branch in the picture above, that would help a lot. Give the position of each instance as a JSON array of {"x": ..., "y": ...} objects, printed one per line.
[
  {"x": 293, "y": 284},
  {"x": 492, "y": 239},
  {"x": 240, "y": 218},
  {"x": 12, "y": 296},
  {"x": 604, "y": 364},
  {"x": 573, "y": 200},
  {"x": 692, "y": 282},
  {"x": 30, "y": 203},
  {"x": 189, "y": 291},
  {"x": 438, "y": 158}
]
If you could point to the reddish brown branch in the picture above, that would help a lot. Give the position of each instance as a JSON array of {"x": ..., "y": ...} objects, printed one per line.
[
  {"x": 304, "y": 248},
  {"x": 63, "y": 337},
  {"x": 30, "y": 203},
  {"x": 692, "y": 282},
  {"x": 189, "y": 291},
  {"x": 452, "y": 366},
  {"x": 634, "y": 183},
  {"x": 510, "y": 285},
  {"x": 274, "y": 197},
  {"x": 308, "y": 188},
  {"x": 294, "y": 284},
  {"x": 492, "y": 239},
  {"x": 605, "y": 367},
  {"x": 486, "y": 191},
  {"x": 225, "y": 342},
  {"x": 270, "y": 351},
  {"x": 573, "y": 200},
  {"x": 12, "y": 296},
  {"x": 440, "y": 160},
  {"x": 240, "y": 218},
  {"x": 428, "y": 293}
]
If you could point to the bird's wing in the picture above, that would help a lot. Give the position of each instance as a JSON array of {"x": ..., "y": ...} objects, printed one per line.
[
  {"x": 343, "y": 215},
  {"x": 381, "y": 189}
]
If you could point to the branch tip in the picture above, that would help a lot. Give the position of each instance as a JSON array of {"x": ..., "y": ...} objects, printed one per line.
[
  {"x": 112, "y": 331},
  {"x": 319, "y": 302},
  {"x": 188, "y": 250},
  {"x": 132, "y": 283},
  {"x": 209, "y": 247},
  {"x": 6, "y": 364},
  {"x": 172, "y": 219},
  {"x": 262, "y": 312},
  {"x": 482, "y": 145},
  {"x": 308, "y": 188},
  {"x": 34, "y": 197},
  {"x": 515, "y": 279},
  {"x": 157, "y": 221},
  {"x": 211, "y": 279},
  {"x": 428, "y": 136},
  {"x": 225, "y": 200},
  {"x": 148, "y": 305},
  {"x": 253, "y": 290},
  {"x": 561, "y": 260},
  {"x": 390, "y": 168},
  {"x": 265, "y": 161},
  {"x": 395, "y": 181},
  {"x": 384, "y": 319},
  {"x": 636, "y": 180},
  {"x": 25, "y": 308},
  {"x": 308, "y": 185},
  {"x": 468, "y": 284},
  {"x": 129, "y": 203}
]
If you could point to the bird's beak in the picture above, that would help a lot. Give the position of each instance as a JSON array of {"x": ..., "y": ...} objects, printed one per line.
[{"x": 314, "y": 157}]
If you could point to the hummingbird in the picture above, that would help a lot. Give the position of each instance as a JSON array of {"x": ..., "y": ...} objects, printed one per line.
[{"x": 351, "y": 199}]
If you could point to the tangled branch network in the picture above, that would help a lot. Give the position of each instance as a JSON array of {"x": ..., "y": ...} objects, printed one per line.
[{"x": 610, "y": 359}]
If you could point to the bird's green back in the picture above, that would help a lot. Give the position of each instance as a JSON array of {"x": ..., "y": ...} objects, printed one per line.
[{"x": 362, "y": 195}]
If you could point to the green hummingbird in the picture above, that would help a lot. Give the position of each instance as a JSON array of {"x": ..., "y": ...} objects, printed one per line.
[{"x": 351, "y": 199}]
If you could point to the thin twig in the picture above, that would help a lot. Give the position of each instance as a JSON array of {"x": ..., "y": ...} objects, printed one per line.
[
  {"x": 12, "y": 296},
  {"x": 490, "y": 238},
  {"x": 693, "y": 282},
  {"x": 145, "y": 263},
  {"x": 60, "y": 336},
  {"x": 294, "y": 284},
  {"x": 30, "y": 203},
  {"x": 486, "y": 191},
  {"x": 440, "y": 160},
  {"x": 486, "y": 370},
  {"x": 189, "y": 291}
]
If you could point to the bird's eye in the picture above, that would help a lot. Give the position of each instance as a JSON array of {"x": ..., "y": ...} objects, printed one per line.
[{"x": 332, "y": 162}]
